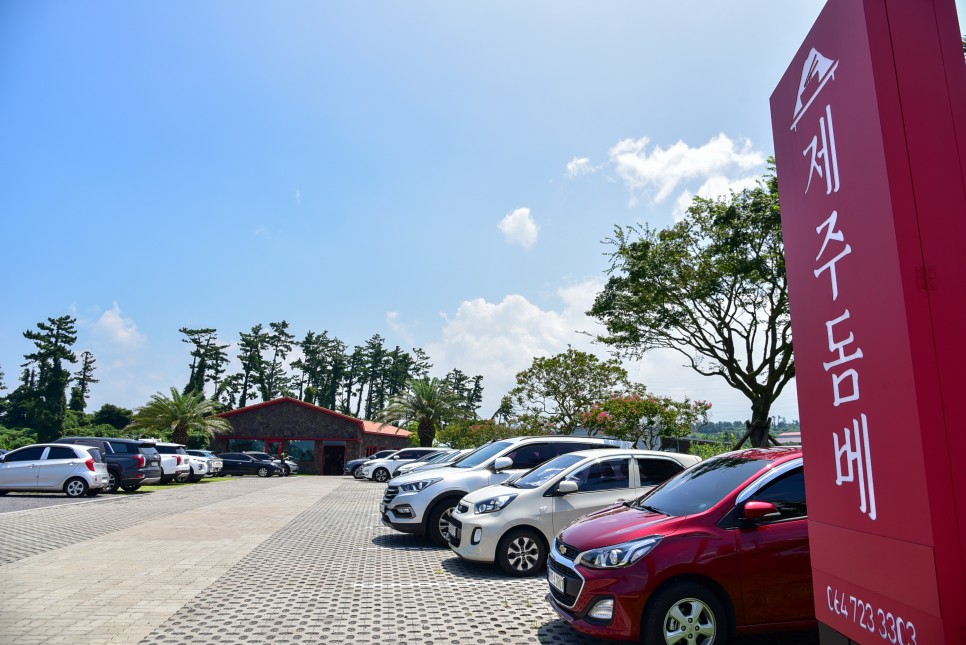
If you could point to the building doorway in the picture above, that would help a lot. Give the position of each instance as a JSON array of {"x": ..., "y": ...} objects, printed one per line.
[{"x": 333, "y": 459}]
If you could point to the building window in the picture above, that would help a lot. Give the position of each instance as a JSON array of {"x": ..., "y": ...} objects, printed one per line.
[
  {"x": 301, "y": 450},
  {"x": 241, "y": 445}
]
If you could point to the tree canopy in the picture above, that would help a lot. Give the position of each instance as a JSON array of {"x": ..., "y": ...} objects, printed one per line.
[
  {"x": 554, "y": 391},
  {"x": 711, "y": 287},
  {"x": 426, "y": 403},
  {"x": 179, "y": 416}
]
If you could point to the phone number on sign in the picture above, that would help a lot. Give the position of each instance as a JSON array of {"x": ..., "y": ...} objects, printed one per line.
[{"x": 889, "y": 627}]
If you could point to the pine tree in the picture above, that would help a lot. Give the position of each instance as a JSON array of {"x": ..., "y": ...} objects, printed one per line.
[
  {"x": 53, "y": 342},
  {"x": 83, "y": 378}
]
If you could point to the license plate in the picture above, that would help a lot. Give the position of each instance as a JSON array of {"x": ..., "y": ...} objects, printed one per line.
[{"x": 556, "y": 580}]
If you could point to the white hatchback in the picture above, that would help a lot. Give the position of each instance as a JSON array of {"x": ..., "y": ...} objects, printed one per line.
[
  {"x": 74, "y": 469},
  {"x": 513, "y": 523}
]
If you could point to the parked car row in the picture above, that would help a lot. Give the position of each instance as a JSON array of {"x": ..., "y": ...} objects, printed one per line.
[
  {"x": 81, "y": 466},
  {"x": 636, "y": 545}
]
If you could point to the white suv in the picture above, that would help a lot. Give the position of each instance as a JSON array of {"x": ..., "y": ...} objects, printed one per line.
[
  {"x": 175, "y": 463},
  {"x": 382, "y": 470},
  {"x": 422, "y": 502}
]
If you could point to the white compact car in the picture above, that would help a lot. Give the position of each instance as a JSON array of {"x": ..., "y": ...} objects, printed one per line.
[
  {"x": 514, "y": 523},
  {"x": 74, "y": 469},
  {"x": 431, "y": 460}
]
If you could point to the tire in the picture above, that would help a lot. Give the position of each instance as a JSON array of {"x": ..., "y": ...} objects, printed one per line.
[
  {"x": 264, "y": 472},
  {"x": 437, "y": 522},
  {"x": 113, "y": 481},
  {"x": 75, "y": 487},
  {"x": 521, "y": 553},
  {"x": 165, "y": 480},
  {"x": 3, "y": 492},
  {"x": 192, "y": 477},
  {"x": 357, "y": 472},
  {"x": 130, "y": 488},
  {"x": 381, "y": 475},
  {"x": 685, "y": 612}
]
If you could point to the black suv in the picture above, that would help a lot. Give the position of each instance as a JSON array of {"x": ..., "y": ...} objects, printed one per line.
[{"x": 131, "y": 463}]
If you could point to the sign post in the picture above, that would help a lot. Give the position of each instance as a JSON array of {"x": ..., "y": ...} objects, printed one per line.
[{"x": 869, "y": 124}]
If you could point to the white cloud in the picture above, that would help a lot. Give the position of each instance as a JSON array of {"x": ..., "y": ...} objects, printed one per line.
[
  {"x": 518, "y": 227},
  {"x": 395, "y": 323},
  {"x": 500, "y": 339},
  {"x": 298, "y": 197},
  {"x": 114, "y": 329},
  {"x": 658, "y": 173},
  {"x": 580, "y": 166}
]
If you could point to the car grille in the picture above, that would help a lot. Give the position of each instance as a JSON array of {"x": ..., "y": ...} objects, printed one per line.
[
  {"x": 391, "y": 492},
  {"x": 565, "y": 550},
  {"x": 573, "y": 583}
]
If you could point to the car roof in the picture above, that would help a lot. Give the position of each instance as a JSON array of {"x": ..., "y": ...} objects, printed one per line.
[{"x": 630, "y": 452}]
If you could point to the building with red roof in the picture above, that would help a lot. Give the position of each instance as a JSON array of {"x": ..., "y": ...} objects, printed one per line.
[{"x": 319, "y": 439}]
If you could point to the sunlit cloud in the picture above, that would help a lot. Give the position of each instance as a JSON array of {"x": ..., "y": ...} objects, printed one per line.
[
  {"x": 580, "y": 166},
  {"x": 657, "y": 172},
  {"x": 519, "y": 228}
]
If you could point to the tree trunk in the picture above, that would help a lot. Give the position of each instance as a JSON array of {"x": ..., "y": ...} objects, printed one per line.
[
  {"x": 759, "y": 426},
  {"x": 427, "y": 432}
]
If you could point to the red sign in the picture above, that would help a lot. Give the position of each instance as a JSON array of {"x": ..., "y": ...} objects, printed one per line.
[{"x": 870, "y": 141}]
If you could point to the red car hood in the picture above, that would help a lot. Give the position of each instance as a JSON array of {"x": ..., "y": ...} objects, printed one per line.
[{"x": 617, "y": 524}]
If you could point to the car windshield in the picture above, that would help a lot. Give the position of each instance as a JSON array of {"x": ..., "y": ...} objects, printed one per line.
[
  {"x": 482, "y": 454},
  {"x": 700, "y": 487},
  {"x": 546, "y": 471}
]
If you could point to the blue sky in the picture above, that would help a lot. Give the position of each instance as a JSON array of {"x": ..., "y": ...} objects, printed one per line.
[{"x": 440, "y": 173}]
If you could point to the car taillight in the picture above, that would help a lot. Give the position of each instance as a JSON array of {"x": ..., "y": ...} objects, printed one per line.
[
  {"x": 142, "y": 462},
  {"x": 90, "y": 464},
  {"x": 179, "y": 459}
]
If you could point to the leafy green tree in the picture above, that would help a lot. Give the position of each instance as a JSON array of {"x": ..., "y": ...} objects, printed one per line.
[
  {"x": 713, "y": 288},
  {"x": 250, "y": 351},
  {"x": 272, "y": 380},
  {"x": 208, "y": 358},
  {"x": 84, "y": 377},
  {"x": 179, "y": 417},
  {"x": 112, "y": 415},
  {"x": 53, "y": 341},
  {"x": 471, "y": 433},
  {"x": 642, "y": 417},
  {"x": 470, "y": 390},
  {"x": 554, "y": 392},
  {"x": 428, "y": 404}
]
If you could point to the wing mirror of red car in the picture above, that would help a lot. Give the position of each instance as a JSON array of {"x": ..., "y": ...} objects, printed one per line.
[{"x": 756, "y": 511}]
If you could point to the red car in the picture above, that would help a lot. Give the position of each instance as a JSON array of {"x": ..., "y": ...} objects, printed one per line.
[{"x": 721, "y": 548}]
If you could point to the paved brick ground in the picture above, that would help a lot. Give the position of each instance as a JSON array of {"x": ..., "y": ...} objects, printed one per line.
[{"x": 286, "y": 561}]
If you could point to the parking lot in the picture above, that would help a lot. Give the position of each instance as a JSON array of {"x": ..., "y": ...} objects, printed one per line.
[{"x": 251, "y": 560}]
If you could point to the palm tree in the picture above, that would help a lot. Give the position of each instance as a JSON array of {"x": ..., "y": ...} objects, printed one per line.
[
  {"x": 180, "y": 415},
  {"x": 426, "y": 402}
]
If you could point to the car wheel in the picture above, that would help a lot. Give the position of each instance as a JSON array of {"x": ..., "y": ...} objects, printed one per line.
[
  {"x": 113, "y": 481},
  {"x": 685, "y": 612},
  {"x": 357, "y": 472},
  {"x": 381, "y": 475},
  {"x": 75, "y": 487},
  {"x": 130, "y": 488},
  {"x": 263, "y": 472},
  {"x": 521, "y": 553},
  {"x": 438, "y": 521}
]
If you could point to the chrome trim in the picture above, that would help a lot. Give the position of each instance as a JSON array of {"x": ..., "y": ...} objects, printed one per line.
[
  {"x": 769, "y": 476},
  {"x": 559, "y": 559}
]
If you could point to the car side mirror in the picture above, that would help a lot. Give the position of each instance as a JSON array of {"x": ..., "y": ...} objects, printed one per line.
[
  {"x": 567, "y": 486},
  {"x": 502, "y": 463},
  {"x": 757, "y": 511}
]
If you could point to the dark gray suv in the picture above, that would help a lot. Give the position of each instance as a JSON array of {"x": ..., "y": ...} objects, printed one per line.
[{"x": 131, "y": 463}]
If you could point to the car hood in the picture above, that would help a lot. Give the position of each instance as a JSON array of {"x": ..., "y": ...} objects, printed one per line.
[
  {"x": 488, "y": 492},
  {"x": 617, "y": 524}
]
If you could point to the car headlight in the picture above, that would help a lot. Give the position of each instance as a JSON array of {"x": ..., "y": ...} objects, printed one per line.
[
  {"x": 619, "y": 555},
  {"x": 493, "y": 504},
  {"x": 415, "y": 487}
]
